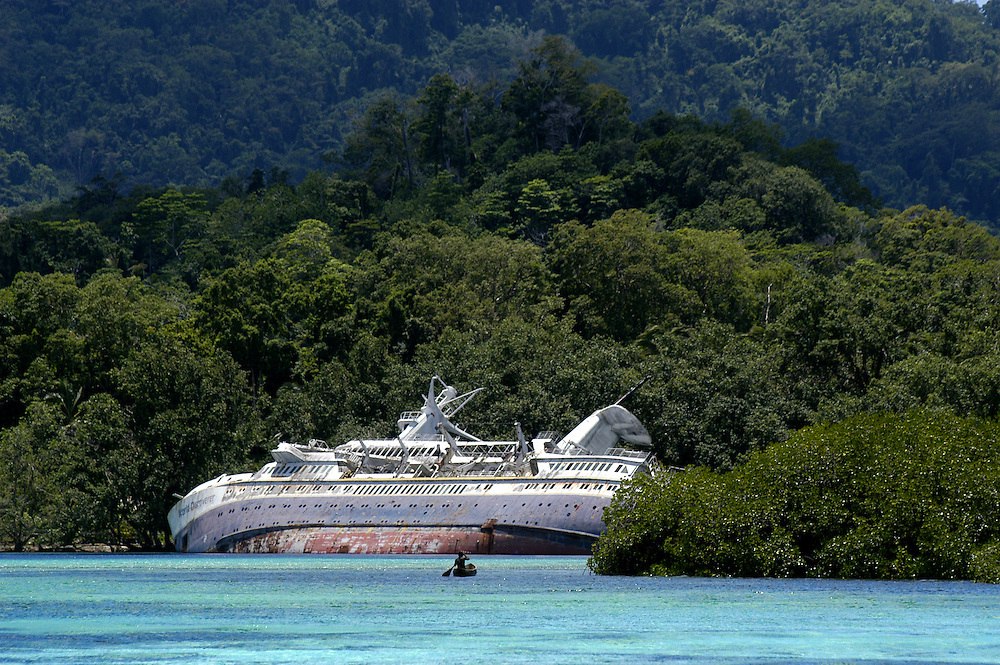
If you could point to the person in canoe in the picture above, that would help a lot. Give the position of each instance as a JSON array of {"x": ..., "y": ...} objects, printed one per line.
[
  {"x": 460, "y": 561},
  {"x": 461, "y": 568}
]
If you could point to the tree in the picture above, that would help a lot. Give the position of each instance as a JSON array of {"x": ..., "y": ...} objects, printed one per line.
[
  {"x": 549, "y": 95},
  {"x": 442, "y": 128},
  {"x": 30, "y": 454},
  {"x": 44, "y": 246},
  {"x": 615, "y": 277},
  {"x": 168, "y": 229},
  {"x": 714, "y": 396},
  {"x": 102, "y": 469},
  {"x": 537, "y": 211},
  {"x": 796, "y": 207},
  {"x": 414, "y": 289},
  {"x": 191, "y": 410},
  {"x": 381, "y": 148},
  {"x": 33, "y": 310},
  {"x": 929, "y": 239},
  {"x": 716, "y": 266},
  {"x": 694, "y": 162},
  {"x": 841, "y": 180}
]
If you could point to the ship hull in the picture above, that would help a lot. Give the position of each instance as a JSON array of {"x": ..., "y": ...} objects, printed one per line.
[
  {"x": 410, "y": 540},
  {"x": 501, "y": 516}
]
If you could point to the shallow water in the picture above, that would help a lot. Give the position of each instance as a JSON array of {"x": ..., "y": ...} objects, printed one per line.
[{"x": 57, "y": 608}]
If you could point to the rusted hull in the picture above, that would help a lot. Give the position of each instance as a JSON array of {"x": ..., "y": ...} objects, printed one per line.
[
  {"x": 496, "y": 517},
  {"x": 408, "y": 540}
]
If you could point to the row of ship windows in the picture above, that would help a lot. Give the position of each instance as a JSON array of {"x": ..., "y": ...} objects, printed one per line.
[
  {"x": 588, "y": 466},
  {"x": 597, "y": 487},
  {"x": 367, "y": 489},
  {"x": 289, "y": 469},
  {"x": 389, "y": 520},
  {"x": 398, "y": 452},
  {"x": 410, "y": 489},
  {"x": 413, "y": 489}
]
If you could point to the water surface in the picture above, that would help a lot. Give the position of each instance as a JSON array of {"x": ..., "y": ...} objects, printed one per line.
[{"x": 59, "y": 608}]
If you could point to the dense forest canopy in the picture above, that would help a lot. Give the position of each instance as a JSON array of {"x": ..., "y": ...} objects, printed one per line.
[
  {"x": 534, "y": 240},
  {"x": 151, "y": 92}
]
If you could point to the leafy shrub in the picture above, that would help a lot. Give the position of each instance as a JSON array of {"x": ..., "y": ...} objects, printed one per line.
[{"x": 877, "y": 496}]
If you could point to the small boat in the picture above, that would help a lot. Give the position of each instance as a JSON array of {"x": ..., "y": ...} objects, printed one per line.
[{"x": 468, "y": 571}]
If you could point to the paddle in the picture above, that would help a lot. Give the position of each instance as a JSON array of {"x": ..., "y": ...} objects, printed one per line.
[{"x": 448, "y": 572}]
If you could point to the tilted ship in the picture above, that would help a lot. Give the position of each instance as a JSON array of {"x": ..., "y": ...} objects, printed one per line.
[{"x": 433, "y": 488}]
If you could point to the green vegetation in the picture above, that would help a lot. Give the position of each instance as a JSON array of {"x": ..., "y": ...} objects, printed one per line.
[
  {"x": 159, "y": 92},
  {"x": 910, "y": 496},
  {"x": 534, "y": 240}
]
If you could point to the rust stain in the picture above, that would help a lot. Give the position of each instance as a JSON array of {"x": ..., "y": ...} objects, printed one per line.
[{"x": 488, "y": 539}]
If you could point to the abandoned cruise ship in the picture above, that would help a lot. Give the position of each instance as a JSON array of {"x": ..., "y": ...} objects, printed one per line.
[{"x": 433, "y": 488}]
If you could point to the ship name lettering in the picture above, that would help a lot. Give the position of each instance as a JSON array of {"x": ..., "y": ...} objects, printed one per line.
[{"x": 195, "y": 505}]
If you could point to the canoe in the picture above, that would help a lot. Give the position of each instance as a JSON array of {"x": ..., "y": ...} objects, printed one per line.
[{"x": 468, "y": 571}]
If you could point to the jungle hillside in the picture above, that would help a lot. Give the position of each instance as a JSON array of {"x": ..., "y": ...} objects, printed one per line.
[{"x": 152, "y": 92}]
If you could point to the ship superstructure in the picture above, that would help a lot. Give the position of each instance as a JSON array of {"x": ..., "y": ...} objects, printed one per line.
[{"x": 433, "y": 488}]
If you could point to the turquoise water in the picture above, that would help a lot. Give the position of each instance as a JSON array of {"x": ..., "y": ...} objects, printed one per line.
[{"x": 344, "y": 609}]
